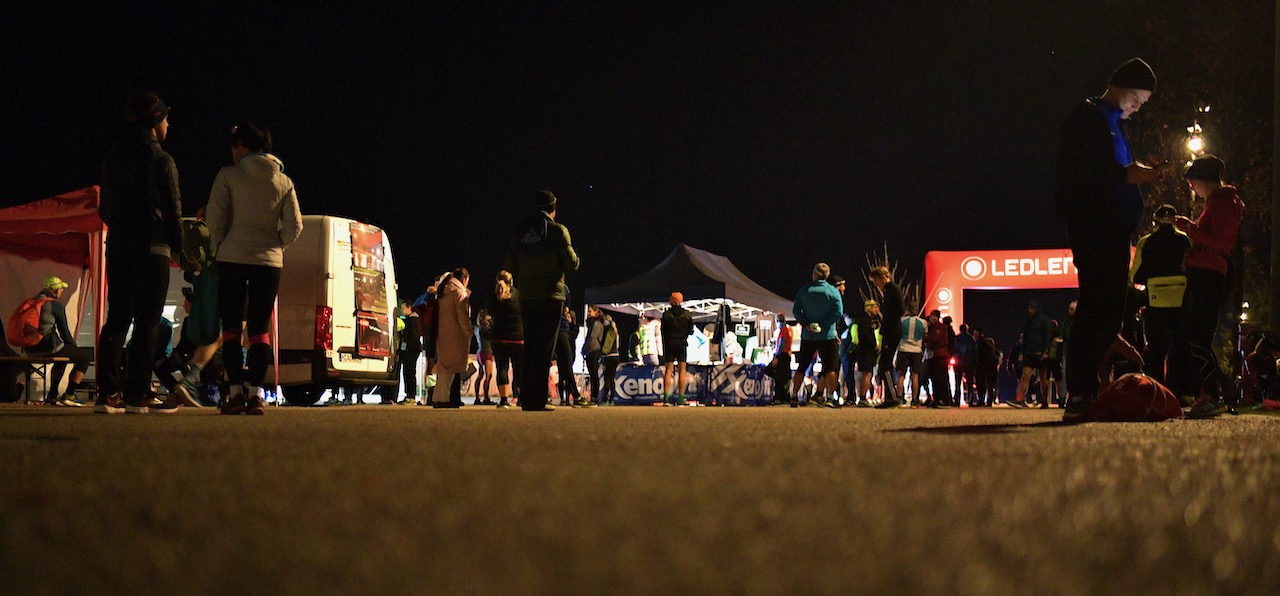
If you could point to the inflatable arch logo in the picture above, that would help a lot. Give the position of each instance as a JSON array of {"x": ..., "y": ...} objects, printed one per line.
[{"x": 949, "y": 273}]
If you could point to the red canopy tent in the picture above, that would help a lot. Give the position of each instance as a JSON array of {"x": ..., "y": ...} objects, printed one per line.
[{"x": 61, "y": 236}]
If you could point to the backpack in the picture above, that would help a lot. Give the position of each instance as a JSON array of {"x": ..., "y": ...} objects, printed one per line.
[
  {"x": 609, "y": 343},
  {"x": 197, "y": 249},
  {"x": 23, "y": 329}
]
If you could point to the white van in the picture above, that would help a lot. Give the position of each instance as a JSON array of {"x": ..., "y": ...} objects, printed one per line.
[{"x": 337, "y": 309}]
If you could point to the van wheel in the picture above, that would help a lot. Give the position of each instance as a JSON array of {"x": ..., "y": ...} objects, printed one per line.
[{"x": 302, "y": 395}]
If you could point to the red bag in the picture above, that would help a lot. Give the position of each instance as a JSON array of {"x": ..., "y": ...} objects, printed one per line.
[
  {"x": 23, "y": 329},
  {"x": 428, "y": 312},
  {"x": 1134, "y": 397}
]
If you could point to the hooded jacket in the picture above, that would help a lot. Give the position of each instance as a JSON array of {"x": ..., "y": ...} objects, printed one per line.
[
  {"x": 253, "y": 212},
  {"x": 677, "y": 325},
  {"x": 538, "y": 256},
  {"x": 1213, "y": 234}
]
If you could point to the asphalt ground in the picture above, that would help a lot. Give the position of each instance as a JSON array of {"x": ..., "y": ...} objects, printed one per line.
[{"x": 635, "y": 500}]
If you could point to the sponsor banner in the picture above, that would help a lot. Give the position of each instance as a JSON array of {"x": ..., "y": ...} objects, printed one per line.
[
  {"x": 728, "y": 384},
  {"x": 949, "y": 273}
]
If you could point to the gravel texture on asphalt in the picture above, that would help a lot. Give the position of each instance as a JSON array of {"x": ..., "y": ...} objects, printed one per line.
[{"x": 371, "y": 499}]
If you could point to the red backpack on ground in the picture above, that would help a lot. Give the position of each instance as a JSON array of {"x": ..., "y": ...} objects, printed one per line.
[
  {"x": 1134, "y": 397},
  {"x": 23, "y": 329}
]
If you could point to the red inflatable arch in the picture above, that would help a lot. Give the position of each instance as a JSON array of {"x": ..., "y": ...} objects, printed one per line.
[{"x": 949, "y": 273}]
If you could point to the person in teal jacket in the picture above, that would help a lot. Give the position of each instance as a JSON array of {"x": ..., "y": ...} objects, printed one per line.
[{"x": 818, "y": 307}]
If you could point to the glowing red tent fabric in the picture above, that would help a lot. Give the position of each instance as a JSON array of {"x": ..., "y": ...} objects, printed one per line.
[{"x": 58, "y": 228}]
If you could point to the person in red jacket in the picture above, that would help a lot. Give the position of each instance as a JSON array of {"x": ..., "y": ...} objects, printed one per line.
[
  {"x": 937, "y": 341},
  {"x": 1213, "y": 238}
]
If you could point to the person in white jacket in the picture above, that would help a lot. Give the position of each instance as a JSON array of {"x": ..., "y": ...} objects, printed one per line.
[{"x": 252, "y": 216}]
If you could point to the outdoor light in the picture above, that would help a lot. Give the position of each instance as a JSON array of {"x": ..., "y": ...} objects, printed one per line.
[{"x": 1195, "y": 145}]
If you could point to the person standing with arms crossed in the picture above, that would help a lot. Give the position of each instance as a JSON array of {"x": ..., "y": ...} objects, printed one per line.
[{"x": 1099, "y": 199}]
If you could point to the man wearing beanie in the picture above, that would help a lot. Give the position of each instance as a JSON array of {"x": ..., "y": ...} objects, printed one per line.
[
  {"x": 1098, "y": 198},
  {"x": 538, "y": 256},
  {"x": 142, "y": 208},
  {"x": 1158, "y": 264},
  {"x": 1192, "y": 364}
]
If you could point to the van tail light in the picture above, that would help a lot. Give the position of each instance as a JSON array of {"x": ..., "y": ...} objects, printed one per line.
[{"x": 324, "y": 328}]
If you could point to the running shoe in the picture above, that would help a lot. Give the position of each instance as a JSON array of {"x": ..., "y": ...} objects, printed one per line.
[
  {"x": 255, "y": 406},
  {"x": 109, "y": 404},
  {"x": 1074, "y": 411},
  {"x": 1207, "y": 409}
]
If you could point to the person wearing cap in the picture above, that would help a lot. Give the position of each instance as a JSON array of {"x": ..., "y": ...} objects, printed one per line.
[
  {"x": 1099, "y": 200},
  {"x": 1213, "y": 238},
  {"x": 539, "y": 255},
  {"x": 1158, "y": 264},
  {"x": 892, "y": 307},
  {"x": 817, "y": 307},
  {"x": 141, "y": 206},
  {"x": 677, "y": 326},
  {"x": 57, "y": 340}
]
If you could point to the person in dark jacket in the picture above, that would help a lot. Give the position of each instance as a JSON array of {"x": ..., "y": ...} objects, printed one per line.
[
  {"x": 508, "y": 336},
  {"x": 677, "y": 326},
  {"x": 1099, "y": 200},
  {"x": 591, "y": 349},
  {"x": 937, "y": 342},
  {"x": 1159, "y": 264},
  {"x": 142, "y": 208},
  {"x": 892, "y": 307},
  {"x": 965, "y": 352},
  {"x": 1213, "y": 238},
  {"x": 568, "y": 385},
  {"x": 410, "y": 349},
  {"x": 988, "y": 369},
  {"x": 539, "y": 255},
  {"x": 1037, "y": 333}
]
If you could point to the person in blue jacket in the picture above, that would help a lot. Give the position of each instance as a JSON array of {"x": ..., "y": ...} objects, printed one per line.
[{"x": 818, "y": 307}]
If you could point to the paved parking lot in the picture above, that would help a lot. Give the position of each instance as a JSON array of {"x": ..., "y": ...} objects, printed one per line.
[{"x": 371, "y": 499}]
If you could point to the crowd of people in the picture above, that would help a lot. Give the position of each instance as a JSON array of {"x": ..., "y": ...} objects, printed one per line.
[{"x": 1157, "y": 316}]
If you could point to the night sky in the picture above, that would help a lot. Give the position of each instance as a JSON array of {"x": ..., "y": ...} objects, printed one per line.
[{"x": 773, "y": 134}]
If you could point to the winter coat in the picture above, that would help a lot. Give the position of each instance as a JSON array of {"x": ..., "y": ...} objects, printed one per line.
[
  {"x": 253, "y": 212},
  {"x": 453, "y": 339},
  {"x": 140, "y": 201},
  {"x": 539, "y": 255},
  {"x": 595, "y": 335}
]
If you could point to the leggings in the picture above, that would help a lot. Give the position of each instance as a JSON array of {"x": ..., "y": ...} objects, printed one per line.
[
  {"x": 246, "y": 296},
  {"x": 507, "y": 354},
  {"x": 610, "y": 372}
]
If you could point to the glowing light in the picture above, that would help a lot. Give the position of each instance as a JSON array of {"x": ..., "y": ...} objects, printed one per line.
[{"x": 1195, "y": 145}]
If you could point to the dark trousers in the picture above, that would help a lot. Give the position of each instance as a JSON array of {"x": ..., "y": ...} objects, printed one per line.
[
  {"x": 988, "y": 378},
  {"x": 564, "y": 364},
  {"x": 592, "y": 360},
  {"x": 937, "y": 368},
  {"x": 408, "y": 370},
  {"x": 1192, "y": 364},
  {"x": 966, "y": 383},
  {"x": 610, "y": 373},
  {"x": 246, "y": 296},
  {"x": 1102, "y": 257},
  {"x": 137, "y": 285},
  {"x": 508, "y": 354},
  {"x": 541, "y": 328},
  {"x": 80, "y": 359},
  {"x": 884, "y": 365},
  {"x": 847, "y": 361},
  {"x": 1158, "y": 325},
  {"x": 782, "y": 378}
]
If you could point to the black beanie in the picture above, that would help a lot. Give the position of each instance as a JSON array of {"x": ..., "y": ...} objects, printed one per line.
[
  {"x": 145, "y": 110},
  {"x": 1134, "y": 74},
  {"x": 1205, "y": 167},
  {"x": 545, "y": 201}
]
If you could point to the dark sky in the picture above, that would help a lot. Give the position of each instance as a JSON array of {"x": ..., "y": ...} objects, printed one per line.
[{"x": 774, "y": 134}]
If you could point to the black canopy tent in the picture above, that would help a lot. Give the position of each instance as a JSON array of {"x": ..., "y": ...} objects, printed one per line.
[{"x": 708, "y": 282}]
